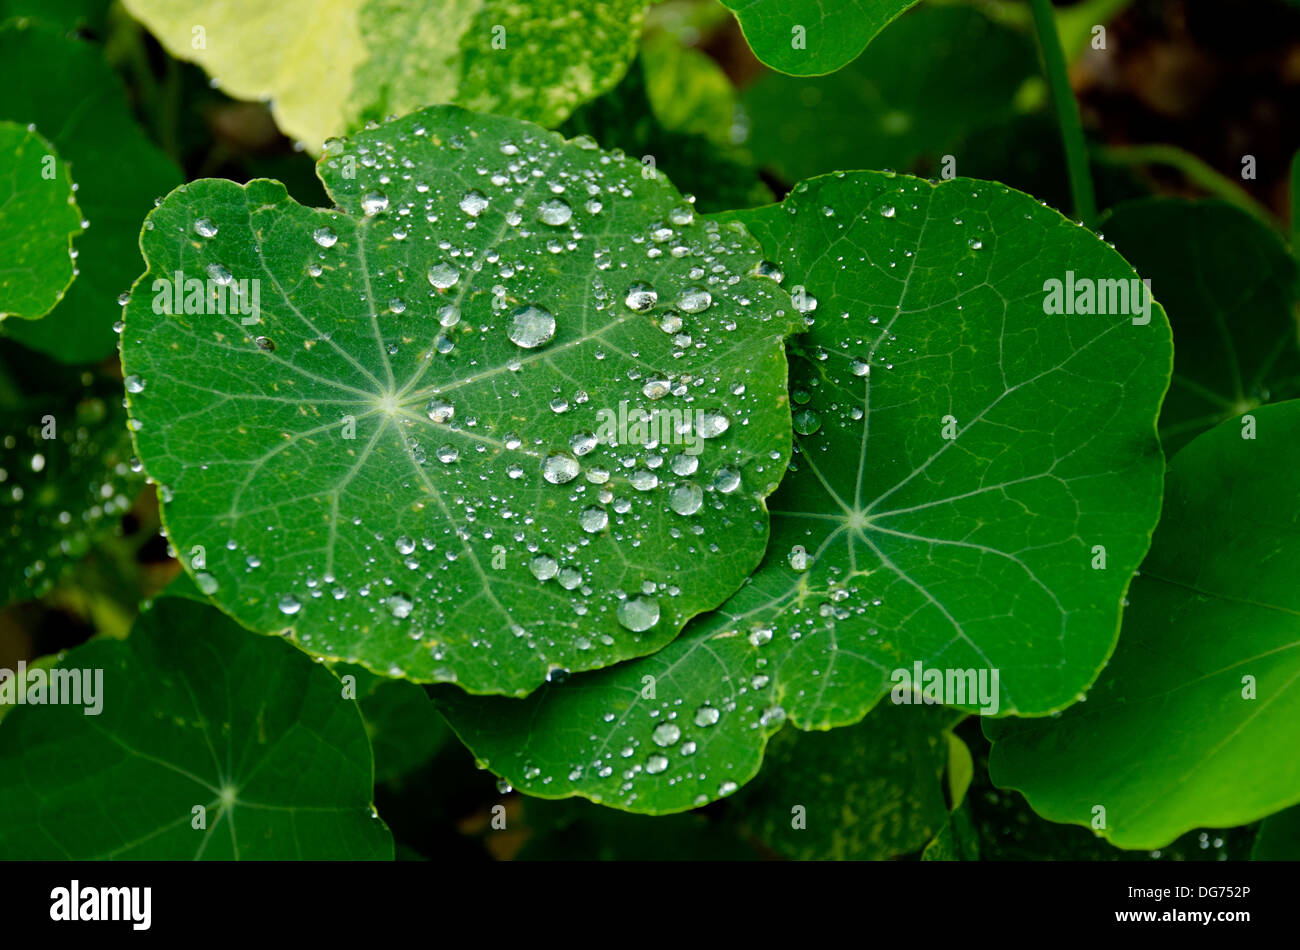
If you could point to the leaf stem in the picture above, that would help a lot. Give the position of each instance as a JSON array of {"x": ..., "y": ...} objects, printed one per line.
[{"x": 1067, "y": 112}]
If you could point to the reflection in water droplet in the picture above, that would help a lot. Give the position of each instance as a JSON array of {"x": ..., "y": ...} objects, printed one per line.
[
  {"x": 638, "y": 613},
  {"x": 559, "y": 468},
  {"x": 641, "y": 297},
  {"x": 555, "y": 211},
  {"x": 473, "y": 203},
  {"x": 686, "y": 498},
  {"x": 444, "y": 274},
  {"x": 531, "y": 327},
  {"x": 205, "y": 228},
  {"x": 666, "y": 734},
  {"x": 324, "y": 237},
  {"x": 440, "y": 410}
]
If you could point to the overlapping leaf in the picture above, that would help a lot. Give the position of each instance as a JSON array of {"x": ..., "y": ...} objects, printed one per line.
[
  {"x": 961, "y": 458},
  {"x": 869, "y": 792},
  {"x": 65, "y": 474},
  {"x": 209, "y": 742},
  {"x": 65, "y": 88},
  {"x": 328, "y": 68},
  {"x": 411, "y": 452},
  {"x": 1230, "y": 287},
  {"x": 812, "y": 37},
  {"x": 38, "y": 220},
  {"x": 1200, "y": 699},
  {"x": 933, "y": 78}
]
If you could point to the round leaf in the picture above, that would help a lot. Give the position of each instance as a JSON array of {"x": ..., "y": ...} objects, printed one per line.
[
  {"x": 405, "y": 437},
  {"x": 1200, "y": 698},
  {"x": 960, "y": 456},
  {"x": 38, "y": 220},
  {"x": 805, "y": 38},
  {"x": 209, "y": 742}
]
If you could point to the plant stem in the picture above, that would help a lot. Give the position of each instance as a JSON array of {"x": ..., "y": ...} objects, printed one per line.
[
  {"x": 1193, "y": 169},
  {"x": 1067, "y": 112}
]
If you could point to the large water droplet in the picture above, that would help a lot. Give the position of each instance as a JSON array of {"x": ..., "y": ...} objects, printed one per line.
[
  {"x": 555, "y": 211},
  {"x": 474, "y": 203},
  {"x": 205, "y": 228},
  {"x": 641, "y": 297},
  {"x": 531, "y": 327},
  {"x": 666, "y": 734},
  {"x": 440, "y": 410},
  {"x": 695, "y": 299},
  {"x": 559, "y": 468},
  {"x": 593, "y": 519},
  {"x": 444, "y": 274},
  {"x": 324, "y": 237},
  {"x": 374, "y": 202},
  {"x": 686, "y": 498},
  {"x": 710, "y": 425},
  {"x": 638, "y": 613}
]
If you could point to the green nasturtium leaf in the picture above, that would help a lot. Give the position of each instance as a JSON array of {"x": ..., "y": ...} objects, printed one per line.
[
  {"x": 893, "y": 543},
  {"x": 812, "y": 37},
  {"x": 868, "y": 792},
  {"x": 934, "y": 78},
  {"x": 720, "y": 177},
  {"x": 328, "y": 69},
  {"x": 38, "y": 220},
  {"x": 412, "y": 451},
  {"x": 1278, "y": 838},
  {"x": 1200, "y": 698},
  {"x": 405, "y": 729},
  {"x": 193, "y": 712},
  {"x": 65, "y": 88},
  {"x": 957, "y": 840},
  {"x": 1229, "y": 285},
  {"x": 65, "y": 473}
]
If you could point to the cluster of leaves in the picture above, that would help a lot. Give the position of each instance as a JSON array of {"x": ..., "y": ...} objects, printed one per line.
[{"x": 576, "y": 445}]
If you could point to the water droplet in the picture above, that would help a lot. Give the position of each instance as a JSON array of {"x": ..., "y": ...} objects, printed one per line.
[
  {"x": 769, "y": 270},
  {"x": 219, "y": 274},
  {"x": 444, "y": 274},
  {"x": 641, "y": 297},
  {"x": 289, "y": 605},
  {"x": 686, "y": 498},
  {"x": 726, "y": 480},
  {"x": 205, "y": 228},
  {"x": 593, "y": 519},
  {"x": 325, "y": 237},
  {"x": 531, "y": 327},
  {"x": 710, "y": 425},
  {"x": 440, "y": 410},
  {"x": 666, "y": 734},
  {"x": 887, "y": 211},
  {"x": 405, "y": 545},
  {"x": 656, "y": 764},
  {"x": 684, "y": 465},
  {"x": 638, "y": 613},
  {"x": 474, "y": 203},
  {"x": 559, "y": 468},
  {"x": 544, "y": 567},
  {"x": 806, "y": 422},
  {"x": 134, "y": 384},
  {"x": 265, "y": 343},
  {"x": 399, "y": 605},
  {"x": 860, "y": 367},
  {"x": 798, "y": 558},
  {"x": 374, "y": 202},
  {"x": 707, "y": 715},
  {"x": 555, "y": 211},
  {"x": 695, "y": 299}
]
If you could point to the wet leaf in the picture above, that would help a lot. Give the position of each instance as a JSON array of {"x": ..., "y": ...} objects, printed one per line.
[
  {"x": 65, "y": 477},
  {"x": 959, "y": 457},
  {"x": 367, "y": 59},
  {"x": 1200, "y": 697},
  {"x": 66, "y": 89},
  {"x": 39, "y": 218},
  {"x": 412, "y": 451},
  {"x": 194, "y": 712}
]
